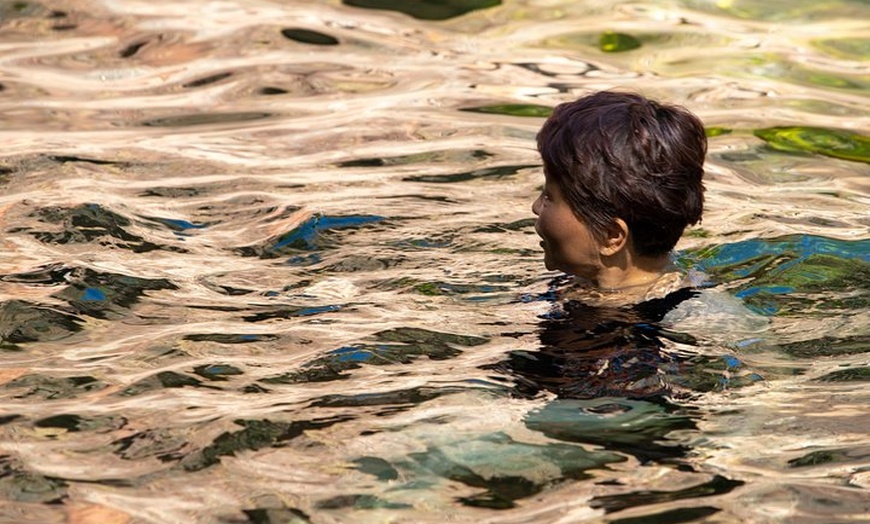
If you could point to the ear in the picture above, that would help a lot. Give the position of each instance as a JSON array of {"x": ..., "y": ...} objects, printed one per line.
[{"x": 616, "y": 238}]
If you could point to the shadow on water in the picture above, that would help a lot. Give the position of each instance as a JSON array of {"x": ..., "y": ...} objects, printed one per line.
[
  {"x": 426, "y": 9},
  {"x": 86, "y": 292},
  {"x": 93, "y": 223},
  {"x": 393, "y": 346}
]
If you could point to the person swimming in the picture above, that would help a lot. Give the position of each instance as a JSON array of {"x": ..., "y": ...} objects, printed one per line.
[{"x": 623, "y": 179}]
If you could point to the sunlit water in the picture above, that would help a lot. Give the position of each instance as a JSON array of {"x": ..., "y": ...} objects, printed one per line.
[{"x": 274, "y": 262}]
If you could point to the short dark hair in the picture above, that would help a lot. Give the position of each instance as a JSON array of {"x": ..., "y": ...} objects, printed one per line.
[{"x": 621, "y": 155}]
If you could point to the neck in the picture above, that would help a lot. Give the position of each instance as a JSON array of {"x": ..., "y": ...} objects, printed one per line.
[{"x": 630, "y": 272}]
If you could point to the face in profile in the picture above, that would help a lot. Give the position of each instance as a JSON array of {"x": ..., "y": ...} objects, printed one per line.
[{"x": 568, "y": 243}]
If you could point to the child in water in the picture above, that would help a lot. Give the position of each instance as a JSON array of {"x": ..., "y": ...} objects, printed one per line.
[{"x": 623, "y": 179}]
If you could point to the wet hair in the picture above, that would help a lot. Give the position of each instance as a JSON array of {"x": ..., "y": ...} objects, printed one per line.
[{"x": 621, "y": 155}]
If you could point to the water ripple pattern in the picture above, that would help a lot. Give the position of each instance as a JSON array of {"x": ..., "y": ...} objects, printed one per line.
[{"x": 275, "y": 262}]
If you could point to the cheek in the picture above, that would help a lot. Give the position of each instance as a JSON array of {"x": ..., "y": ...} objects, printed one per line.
[{"x": 553, "y": 228}]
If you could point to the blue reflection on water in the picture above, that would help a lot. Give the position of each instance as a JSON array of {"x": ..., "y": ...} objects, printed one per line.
[
  {"x": 304, "y": 237},
  {"x": 784, "y": 266},
  {"x": 93, "y": 293}
]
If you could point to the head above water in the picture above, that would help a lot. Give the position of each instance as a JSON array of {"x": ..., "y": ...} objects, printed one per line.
[
  {"x": 623, "y": 180},
  {"x": 622, "y": 160}
]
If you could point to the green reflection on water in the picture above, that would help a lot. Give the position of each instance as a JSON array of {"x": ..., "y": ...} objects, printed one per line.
[
  {"x": 781, "y": 10},
  {"x": 611, "y": 42},
  {"x": 856, "y": 374},
  {"x": 504, "y": 469},
  {"x": 830, "y": 142},
  {"x": 799, "y": 274},
  {"x": 717, "y": 131},
  {"x": 849, "y": 48},
  {"x": 201, "y": 119},
  {"x": 533, "y": 110}
]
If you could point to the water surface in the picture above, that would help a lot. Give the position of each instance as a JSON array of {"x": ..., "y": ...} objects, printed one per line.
[{"x": 275, "y": 262}]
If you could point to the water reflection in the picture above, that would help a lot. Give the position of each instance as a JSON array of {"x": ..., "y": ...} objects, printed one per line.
[{"x": 261, "y": 263}]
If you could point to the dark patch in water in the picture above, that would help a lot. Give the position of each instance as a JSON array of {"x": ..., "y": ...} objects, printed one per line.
[
  {"x": 162, "y": 380},
  {"x": 230, "y": 338},
  {"x": 201, "y": 119},
  {"x": 311, "y": 373},
  {"x": 174, "y": 224},
  {"x": 211, "y": 79},
  {"x": 106, "y": 295},
  {"x": 6, "y": 419},
  {"x": 257, "y": 434},
  {"x": 22, "y": 322},
  {"x": 62, "y": 159},
  {"x": 412, "y": 396},
  {"x": 359, "y": 502},
  {"x": 50, "y": 275},
  {"x": 428, "y": 157},
  {"x": 290, "y": 312},
  {"x": 393, "y": 346},
  {"x": 478, "y": 174},
  {"x": 20, "y": 485},
  {"x": 856, "y": 374},
  {"x": 830, "y": 456},
  {"x": 53, "y": 388},
  {"x": 519, "y": 225},
  {"x": 132, "y": 49},
  {"x": 160, "y": 443},
  {"x": 217, "y": 372},
  {"x": 671, "y": 516},
  {"x": 276, "y": 516},
  {"x": 635, "y": 427},
  {"x": 536, "y": 68},
  {"x": 74, "y": 423},
  {"x": 376, "y": 467},
  {"x": 717, "y": 486},
  {"x": 307, "y": 36},
  {"x": 172, "y": 192},
  {"x": 426, "y": 9},
  {"x": 489, "y": 463},
  {"x": 92, "y": 223},
  {"x": 227, "y": 290},
  {"x": 354, "y": 263},
  {"x": 447, "y": 288},
  {"x": 828, "y": 346},
  {"x": 271, "y": 91}
]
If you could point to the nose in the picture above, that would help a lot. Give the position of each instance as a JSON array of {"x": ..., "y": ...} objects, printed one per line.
[{"x": 536, "y": 206}]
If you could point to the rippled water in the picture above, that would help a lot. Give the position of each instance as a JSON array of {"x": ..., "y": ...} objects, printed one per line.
[{"x": 274, "y": 262}]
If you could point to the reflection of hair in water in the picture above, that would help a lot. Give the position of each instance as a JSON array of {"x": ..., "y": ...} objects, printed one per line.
[
  {"x": 614, "y": 371},
  {"x": 590, "y": 352}
]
